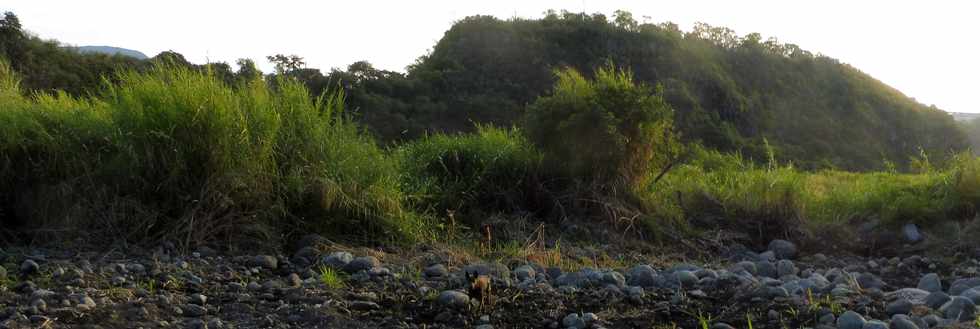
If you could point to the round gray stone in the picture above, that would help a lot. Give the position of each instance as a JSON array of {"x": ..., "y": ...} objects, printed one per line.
[
  {"x": 363, "y": 263},
  {"x": 850, "y": 320},
  {"x": 783, "y": 249},
  {"x": 937, "y": 299},
  {"x": 453, "y": 299},
  {"x": 959, "y": 308},
  {"x": 337, "y": 259},
  {"x": 900, "y": 306},
  {"x": 930, "y": 282},
  {"x": 641, "y": 275},
  {"x": 436, "y": 271}
]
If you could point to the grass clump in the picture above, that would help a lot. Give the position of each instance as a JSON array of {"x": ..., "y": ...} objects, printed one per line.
[
  {"x": 491, "y": 170},
  {"x": 331, "y": 278},
  {"x": 175, "y": 153}
]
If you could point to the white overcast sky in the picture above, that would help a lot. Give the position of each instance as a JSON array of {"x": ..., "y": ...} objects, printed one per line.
[{"x": 926, "y": 49}]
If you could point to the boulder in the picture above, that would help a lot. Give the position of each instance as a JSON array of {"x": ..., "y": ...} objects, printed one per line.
[
  {"x": 850, "y": 320},
  {"x": 783, "y": 249},
  {"x": 959, "y": 308},
  {"x": 642, "y": 276},
  {"x": 910, "y": 233},
  {"x": 930, "y": 282}
]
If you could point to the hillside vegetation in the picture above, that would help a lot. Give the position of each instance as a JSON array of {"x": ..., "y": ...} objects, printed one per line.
[
  {"x": 651, "y": 131},
  {"x": 729, "y": 91}
]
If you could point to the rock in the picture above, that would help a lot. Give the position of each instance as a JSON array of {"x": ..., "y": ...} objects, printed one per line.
[
  {"x": 29, "y": 267},
  {"x": 850, "y": 320},
  {"x": 216, "y": 323},
  {"x": 910, "y": 232},
  {"x": 264, "y": 261},
  {"x": 553, "y": 272},
  {"x": 363, "y": 263},
  {"x": 364, "y": 306},
  {"x": 337, "y": 260},
  {"x": 572, "y": 320},
  {"x": 293, "y": 280},
  {"x": 687, "y": 279},
  {"x": 84, "y": 302},
  {"x": 747, "y": 266},
  {"x": 827, "y": 319},
  {"x": 959, "y": 308},
  {"x": 785, "y": 267},
  {"x": 642, "y": 276},
  {"x": 900, "y": 306},
  {"x": 961, "y": 285},
  {"x": 436, "y": 271},
  {"x": 768, "y": 256},
  {"x": 453, "y": 299},
  {"x": 590, "y": 318},
  {"x": 484, "y": 326},
  {"x": 913, "y": 295},
  {"x": 902, "y": 322},
  {"x": 932, "y": 320},
  {"x": 783, "y": 249},
  {"x": 195, "y": 310},
  {"x": 306, "y": 254},
  {"x": 930, "y": 282},
  {"x": 973, "y": 294},
  {"x": 524, "y": 272},
  {"x": 869, "y": 281},
  {"x": 573, "y": 279},
  {"x": 937, "y": 299},
  {"x": 613, "y": 278},
  {"x": 875, "y": 324},
  {"x": 196, "y": 324},
  {"x": 721, "y": 325},
  {"x": 495, "y": 270},
  {"x": 767, "y": 269},
  {"x": 198, "y": 299}
]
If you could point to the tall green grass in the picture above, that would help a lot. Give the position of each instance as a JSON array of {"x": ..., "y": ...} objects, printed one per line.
[
  {"x": 777, "y": 199},
  {"x": 174, "y": 153},
  {"x": 490, "y": 170}
]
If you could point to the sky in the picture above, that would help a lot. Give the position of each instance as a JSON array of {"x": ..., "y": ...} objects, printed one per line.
[{"x": 926, "y": 49}]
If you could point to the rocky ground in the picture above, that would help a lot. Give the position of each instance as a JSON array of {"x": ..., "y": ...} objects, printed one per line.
[{"x": 325, "y": 285}]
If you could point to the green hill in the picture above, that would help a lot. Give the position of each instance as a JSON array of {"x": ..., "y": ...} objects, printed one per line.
[
  {"x": 728, "y": 91},
  {"x": 112, "y": 51}
]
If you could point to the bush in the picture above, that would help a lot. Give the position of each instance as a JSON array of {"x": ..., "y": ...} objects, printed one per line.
[
  {"x": 178, "y": 153},
  {"x": 606, "y": 129},
  {"x": 491, "y": 170}
]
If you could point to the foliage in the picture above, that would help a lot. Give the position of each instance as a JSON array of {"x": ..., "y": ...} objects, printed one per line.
[
  {"x": 606, "y": 129},
  {"x": 778, "y": 199},
  {"x": 331, "y": 278},
  {"x": 728, "y": 91},
  {"x": 176, "y": 152},
  {"x": 492, "y": 169}
]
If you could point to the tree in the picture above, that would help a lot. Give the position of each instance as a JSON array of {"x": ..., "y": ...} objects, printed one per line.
[
  {"x": 624, "y": 20},
  {"x": 609, "y": 129},
  {"x": 285, "y": 64},
  {"x": 247, "y": 70}
]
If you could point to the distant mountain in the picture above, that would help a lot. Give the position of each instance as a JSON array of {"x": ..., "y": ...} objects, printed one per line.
[
  {"x": 960, "y": 116},
  {"x": 112, "y": 51}
]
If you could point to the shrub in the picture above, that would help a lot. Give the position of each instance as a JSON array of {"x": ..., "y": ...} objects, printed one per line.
[
  {"x": 177, "y": 153},
  {"x": 605, "y": 129},
  {"x": 492, "y": 169}
]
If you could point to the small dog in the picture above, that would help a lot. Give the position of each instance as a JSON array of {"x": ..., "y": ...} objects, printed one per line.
[{"x": 480, "y": 287}]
